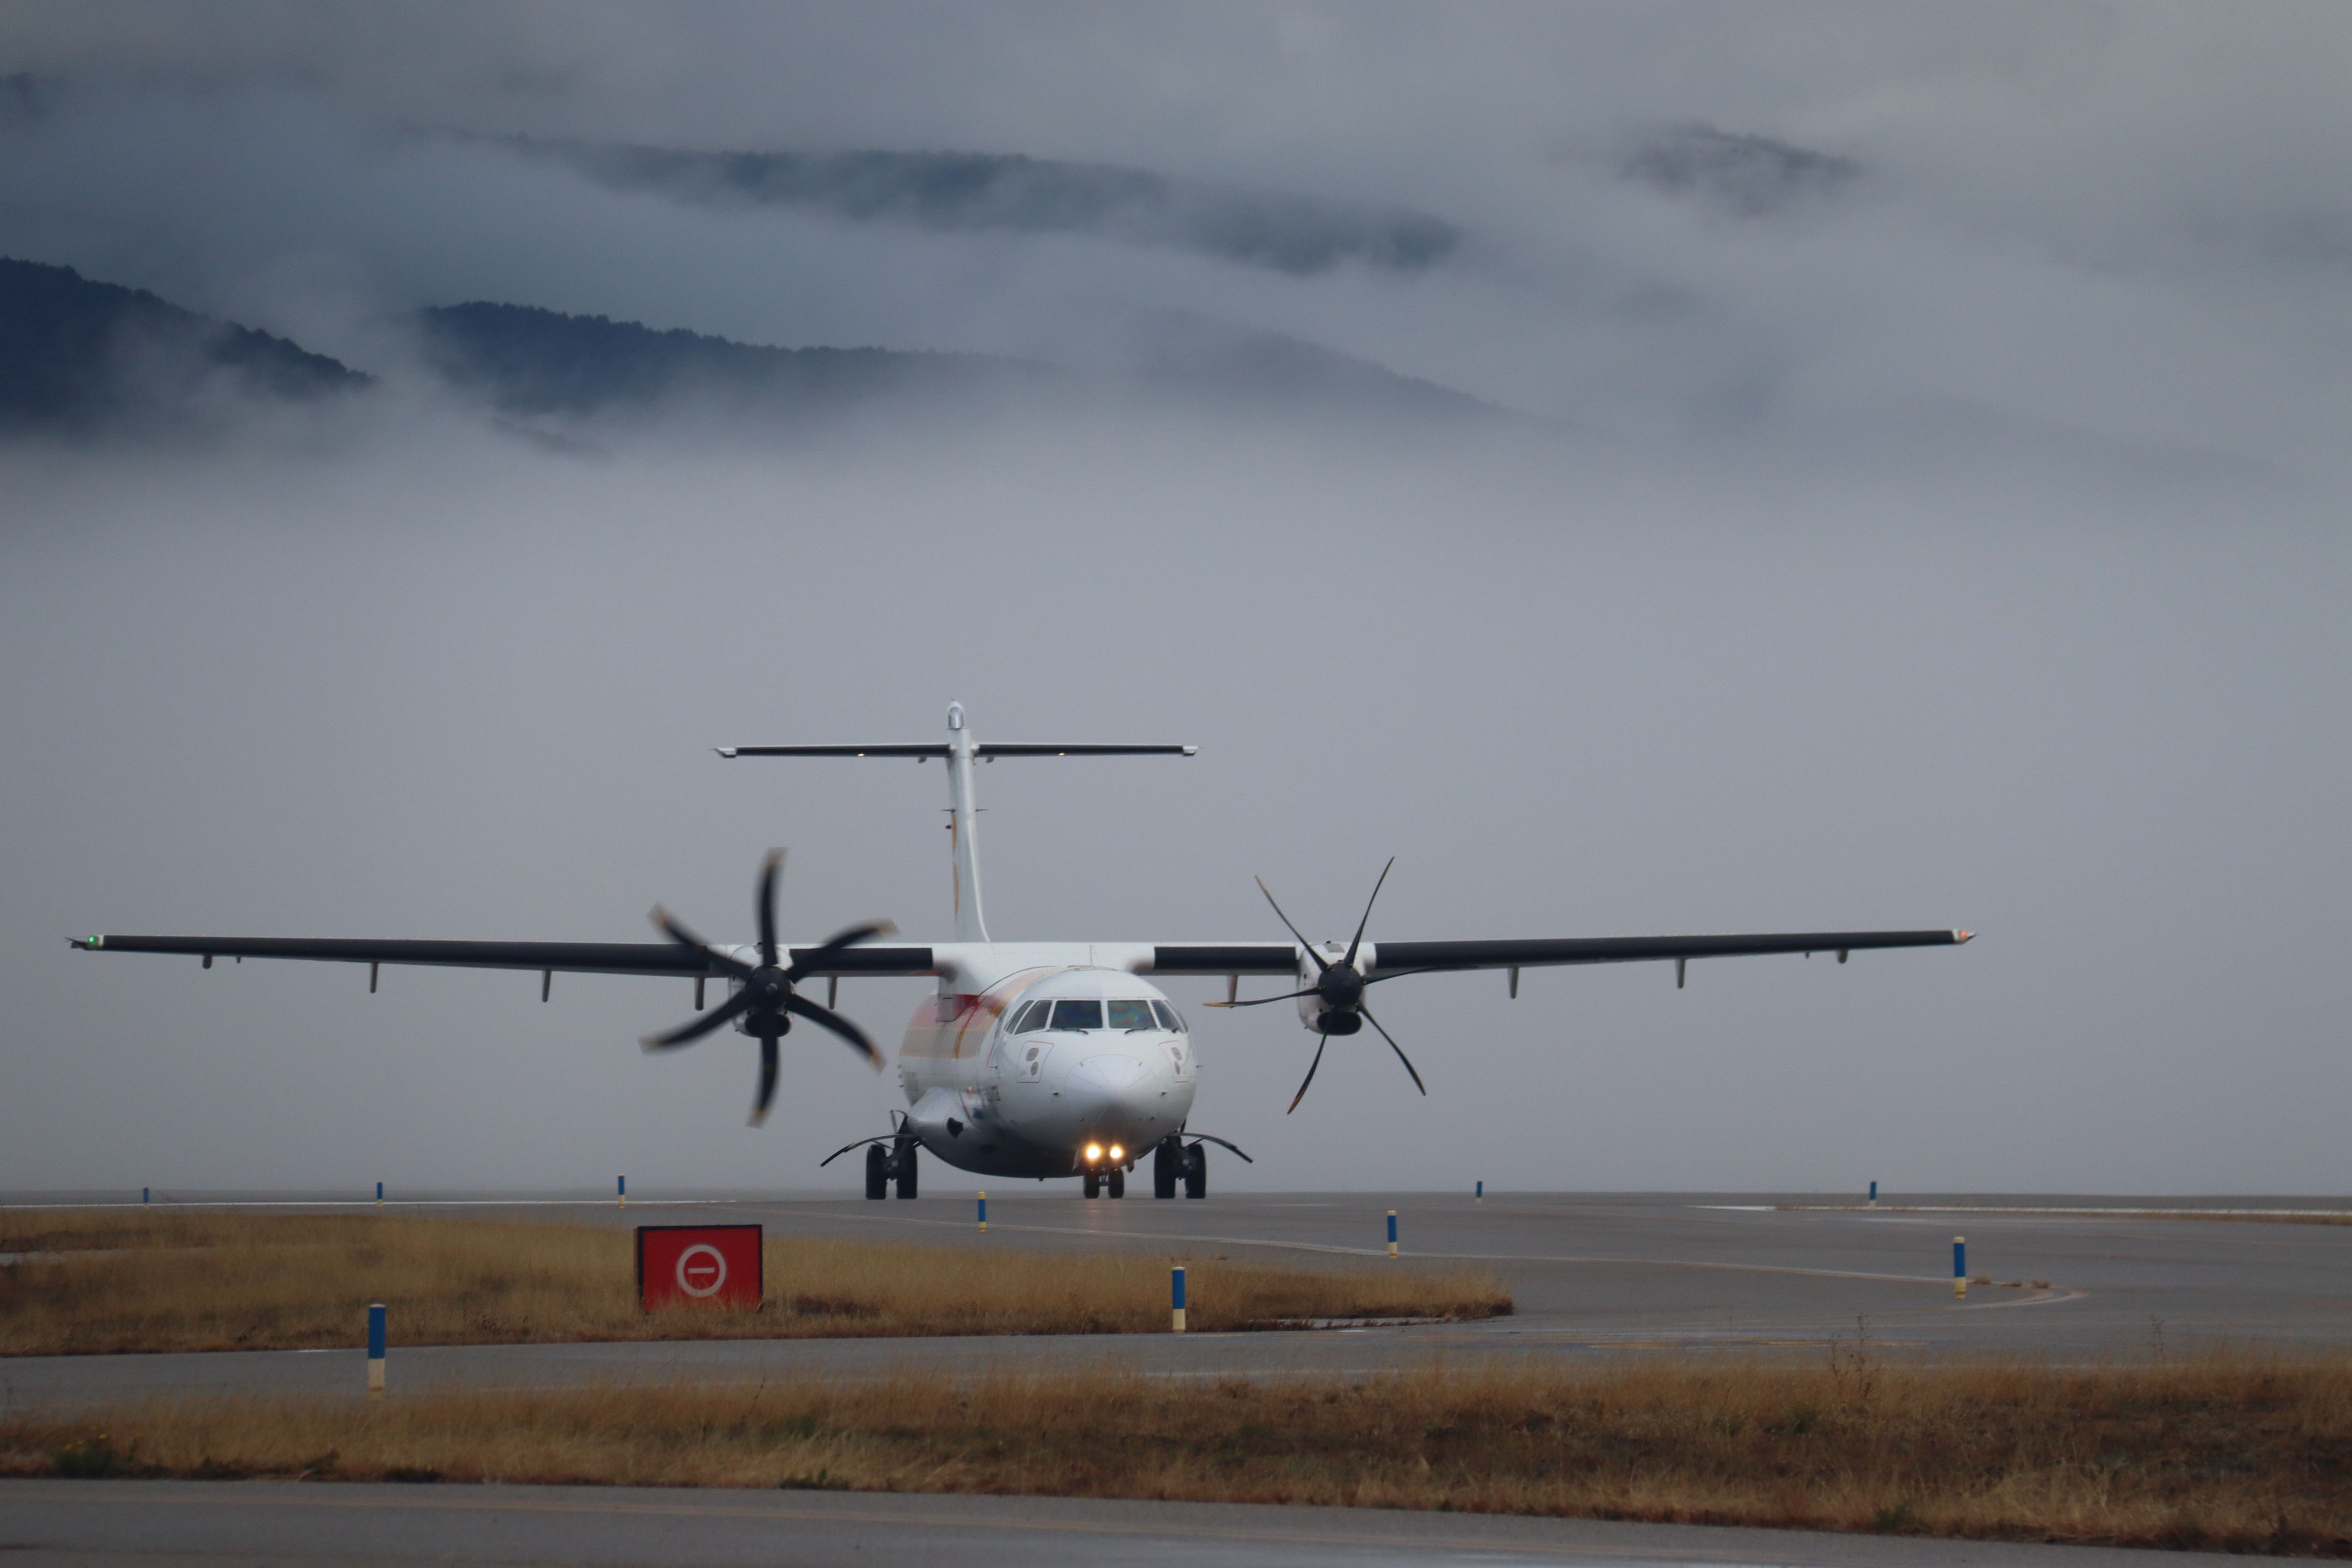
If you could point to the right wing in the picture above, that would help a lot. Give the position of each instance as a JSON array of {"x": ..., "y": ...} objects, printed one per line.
[{"x": 548, "y": 957}]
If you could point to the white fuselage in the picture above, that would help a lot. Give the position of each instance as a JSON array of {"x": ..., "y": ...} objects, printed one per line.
[
  {"x": 1034, "y": 1052},
  {"x": 994, "y": 1092}
]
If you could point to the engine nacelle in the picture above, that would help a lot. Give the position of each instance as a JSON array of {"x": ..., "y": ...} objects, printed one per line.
[{"x": 1316, "y": 1013}]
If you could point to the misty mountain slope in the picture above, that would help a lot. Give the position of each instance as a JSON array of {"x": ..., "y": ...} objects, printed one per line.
[
  {"x": 1179, "y": 352},
  {"x": 1752, "y": 176},
  {"x": 976, "y": 191},
  {"x": 527, "y": 361},
  {"x": 80, "y": 355}
]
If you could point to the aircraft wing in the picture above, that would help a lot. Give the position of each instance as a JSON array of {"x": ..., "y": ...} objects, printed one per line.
[
  {"x": 548, "y": 957},
  {"x": 1394, "y": 958}
]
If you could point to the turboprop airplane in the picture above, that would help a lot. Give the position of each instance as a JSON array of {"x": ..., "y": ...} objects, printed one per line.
[{"x": 1037, "y": 1058}]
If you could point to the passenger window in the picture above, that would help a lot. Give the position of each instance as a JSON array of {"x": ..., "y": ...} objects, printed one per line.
[
  {"x": 1132, "y": 1016},
  {"x": 1169, "y": 1017},
  {"x": 1077, "y": 1016}
]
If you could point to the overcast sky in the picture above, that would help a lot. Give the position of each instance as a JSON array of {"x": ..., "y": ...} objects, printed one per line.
[{"x": 1931, "y": 513}]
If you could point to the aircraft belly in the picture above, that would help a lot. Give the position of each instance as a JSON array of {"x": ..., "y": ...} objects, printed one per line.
[{"x": 1029, "y": 1130}]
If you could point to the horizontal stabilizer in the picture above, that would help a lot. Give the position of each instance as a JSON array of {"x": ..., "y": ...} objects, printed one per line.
[{"x": 986, "y": 749}]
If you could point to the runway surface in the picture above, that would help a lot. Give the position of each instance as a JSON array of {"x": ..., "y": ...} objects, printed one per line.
[
  {"x": 92, "y": 1522},
  {"x": 1592, "y": 1275}
]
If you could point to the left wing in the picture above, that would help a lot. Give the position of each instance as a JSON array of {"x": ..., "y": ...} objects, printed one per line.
[{"x": 1387, "y": 960}]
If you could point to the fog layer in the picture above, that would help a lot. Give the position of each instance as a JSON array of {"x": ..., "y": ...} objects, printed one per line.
[{"x": 1917, "y": 502}]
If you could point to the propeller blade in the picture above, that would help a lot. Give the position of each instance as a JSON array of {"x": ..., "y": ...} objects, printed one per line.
[
  {"x": 769, "y": 868},
  {"x": 1320, "y": 967},
  {"x": 668, "y": 925},
  {"x": 818, "y": 1014},
  {"x": 1320, "y": 1041},
  {"x": 694, "y": 1030},
  {"x": 1375, "y": 1023},
  {"x": 849, "y": 936},
  {"x": 767, "y": 1079},
  {"x": 1262, "y": 1001},
  {"x": 1350, "y": 960}
]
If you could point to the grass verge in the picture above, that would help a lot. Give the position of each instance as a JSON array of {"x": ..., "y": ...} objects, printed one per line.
[
  {"x": 2232, "y": 1452},
  {"x": 115, "y": 1282}
]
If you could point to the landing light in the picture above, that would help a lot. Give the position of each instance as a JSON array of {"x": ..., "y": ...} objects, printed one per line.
[
  {"x": 1094, "y": 1152},
  {"x": 1117, "y": 1152}
]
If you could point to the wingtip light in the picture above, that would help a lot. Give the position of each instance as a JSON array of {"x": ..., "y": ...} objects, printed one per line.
[{"x": 1960, "y": 936}]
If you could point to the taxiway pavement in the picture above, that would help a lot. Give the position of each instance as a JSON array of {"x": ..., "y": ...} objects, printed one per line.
[
  {"x": 1592, "y": 1275},
  {"x": 146, "y": 1522}
]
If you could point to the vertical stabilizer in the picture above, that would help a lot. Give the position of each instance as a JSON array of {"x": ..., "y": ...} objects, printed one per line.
[
  {"x": 963, "y": 812},
  {"x": 963, "y": 825}
]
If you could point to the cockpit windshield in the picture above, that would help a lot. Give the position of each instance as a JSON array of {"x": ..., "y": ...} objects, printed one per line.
[{"x": 1128, "y": 1015}]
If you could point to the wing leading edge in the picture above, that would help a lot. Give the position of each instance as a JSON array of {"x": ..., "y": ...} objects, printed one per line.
[
  {"x": 562, "y": 957},
  {"x": 1394, "y": 957},
  {"x": 1391, "y": 958}
]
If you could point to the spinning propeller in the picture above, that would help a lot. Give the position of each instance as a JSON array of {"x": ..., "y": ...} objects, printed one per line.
[
  {"x": 765, "y": 1000},
  {"x": 1340, "y": 989}
]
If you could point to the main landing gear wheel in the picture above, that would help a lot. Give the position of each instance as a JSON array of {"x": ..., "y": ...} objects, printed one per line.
[
  {"x": 1117, "y": 1183},
  {"x": 1196, "y": 1171},
  {"x": 906, "y": 1172},
  {"x": 877, "y": 1172},
  {"x": 1167, "y": 1156},
  {"x": 1092, "y": 1186}
]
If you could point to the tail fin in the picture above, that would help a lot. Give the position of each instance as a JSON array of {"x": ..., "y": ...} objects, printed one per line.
[{"x": 960, "y": 752}]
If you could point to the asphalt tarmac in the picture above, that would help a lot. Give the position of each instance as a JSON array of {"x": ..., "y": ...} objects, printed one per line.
[
  {"x": 1592, "y": 1276},
  {"x": 289, "y": 1525}
]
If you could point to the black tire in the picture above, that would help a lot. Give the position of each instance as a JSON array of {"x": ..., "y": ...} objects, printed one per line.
[
  {"x": 907, "y": 1171},
  {"x": 1196, "y": 1172},
  {"x": 1114, "y": 1184},
  {"x": 877, "y": 1172},
  {"x": 1165, "y": 1158},
  {"x": 1091, "y": 1185}
]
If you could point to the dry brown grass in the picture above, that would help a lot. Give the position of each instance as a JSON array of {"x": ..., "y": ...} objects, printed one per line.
[
  {"x": 2238, "y": 1452},
  {"x": 2241, "y": 1217},
  {"x": 228, "y": 1280}
]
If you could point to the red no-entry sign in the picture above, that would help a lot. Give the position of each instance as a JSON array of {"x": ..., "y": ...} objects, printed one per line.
[{"x": 698, "y": 1266}]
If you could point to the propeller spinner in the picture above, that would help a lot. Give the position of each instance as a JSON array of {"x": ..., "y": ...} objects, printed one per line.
[
  {"x": 1339, "y": 987},
  {"x": 765, "y": 999}
]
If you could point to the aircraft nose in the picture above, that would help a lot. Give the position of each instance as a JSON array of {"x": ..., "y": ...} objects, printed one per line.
[
  {"x": 1106, "y": 1076},
  {"x": 1107, "y": 1093}
]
